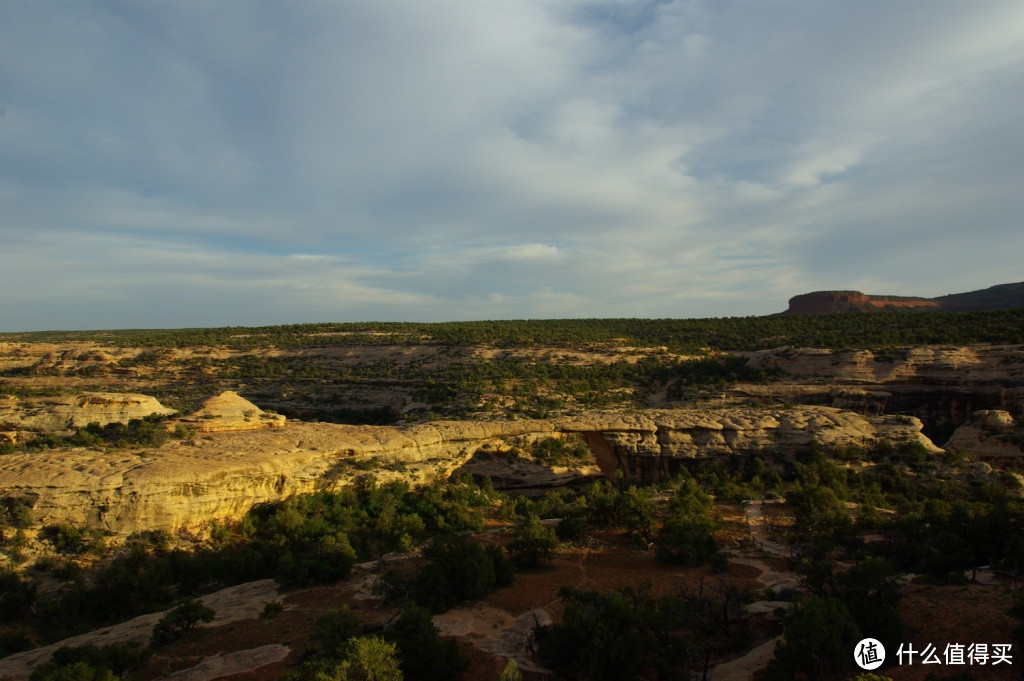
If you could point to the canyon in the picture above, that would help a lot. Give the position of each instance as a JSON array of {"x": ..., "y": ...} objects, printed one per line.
[
  {"x": 236, "y": 455},
  {"x": 184, "y": 485},
  {"x": 246, "y": 422}
]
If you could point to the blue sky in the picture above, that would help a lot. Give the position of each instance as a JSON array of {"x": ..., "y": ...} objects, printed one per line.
[{"x": 168, "y": 164}]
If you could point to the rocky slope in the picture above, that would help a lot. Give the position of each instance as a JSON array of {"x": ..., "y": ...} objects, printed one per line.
[
  {"x": 185, "y": 485},
  {"x": 1000, "y": 297}
]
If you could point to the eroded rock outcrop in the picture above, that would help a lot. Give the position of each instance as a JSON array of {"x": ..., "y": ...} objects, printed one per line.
[
  {"x": 999, "y": 297},
  {"x": 931, "y": 365},
  {"x": 228, "y": 412},
  {"x": 61, "y": 414},
  {"x": 990, "y": 434},
  {"x": 186, "y": 484},
  {"x": 832, "y": 302}
]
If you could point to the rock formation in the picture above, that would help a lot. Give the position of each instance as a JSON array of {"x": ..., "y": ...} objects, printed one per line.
[
  {"x": 26, "y": 417},
  {"x": 999, "y": 297},
  {"x": 184, "y": 485},
  {"x": 990, "y": 434},
  {"x": 930, "y": 365},
  {"x": 830, "y": 302},
  {"x": 229, "y": 411},
  {"x": 941, "y": 385}
]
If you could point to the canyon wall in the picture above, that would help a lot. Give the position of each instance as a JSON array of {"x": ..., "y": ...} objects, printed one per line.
[
  {"x": 22, "y": 418},
  {"x": 183, "y": 485}
]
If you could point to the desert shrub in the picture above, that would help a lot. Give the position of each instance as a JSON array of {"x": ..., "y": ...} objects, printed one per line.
[
  {"x": 819, "y": 636},
  {"x": 145, "y": 432},
  {"x": 15, "y": 512},
  {"x": 571, "y": 529},
  {"x": 67, "y": 538},
  {"x": 17, "y": 596},
  {"x": 422, "y": 654},
  {"x": 618, "y": 636},
  {"x": 555, "y": 451},
  {"x": 686, "y": 539},
  {"x": 92, "y": 663},
  {"x": 363, "y": 659},
  {"x": 510, "y": 672},
  {"x": 181, "y": 621},
  {"x": 77, "y": 671},
  {"x": 272, "y": 609},
  {"x": 335, "y": 628},
  {"x": 533, "y": 543},
  {"x": 458, "y": 569}
]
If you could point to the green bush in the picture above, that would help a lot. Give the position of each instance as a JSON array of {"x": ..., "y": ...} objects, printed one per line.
[
  {"x": 458, "y": 569},
  {"x": 181, "y": 621},
  {"x": 686, "y": 539},
  {"x": 92, "y": 663},
  {"x": 363, "y": 659},
  {"x": 423, "y": 655},
  {"x": 818, "y": 641},
  {"x": 17, "y": 596},
  {"x": 617, "y": 636},
  {"x": 571, "y": 529},
  {"x": 67, "y": 538},
  {"x": 533, "y": 543},
  {"x": 335, "y": 628}
]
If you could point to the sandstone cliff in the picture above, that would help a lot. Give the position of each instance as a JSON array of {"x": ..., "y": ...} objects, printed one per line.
[
  {"x": 185, "y": 485},
  {"x": 931, "y": 365},
  {"x": 830, "y": 302},
  {"x": 941, "y": 385},
  {"x": 999, "y": 297},
  {"x": 62, "y": 414}
]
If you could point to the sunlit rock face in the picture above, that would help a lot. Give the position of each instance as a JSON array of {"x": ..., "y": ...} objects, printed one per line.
[
  {"x": 24, "y": 418},
  {"x": 185, "y": 484},
  {"x": 228, "y": 412}
]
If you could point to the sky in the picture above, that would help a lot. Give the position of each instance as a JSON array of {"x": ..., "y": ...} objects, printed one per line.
[{"x": 193, "y": 163}]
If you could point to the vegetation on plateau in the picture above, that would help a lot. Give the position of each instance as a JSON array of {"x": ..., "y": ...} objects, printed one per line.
[{"x": 851, "y": 330}]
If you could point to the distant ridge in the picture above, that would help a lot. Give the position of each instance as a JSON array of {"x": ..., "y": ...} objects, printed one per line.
[{"x": 999, "y": 297}]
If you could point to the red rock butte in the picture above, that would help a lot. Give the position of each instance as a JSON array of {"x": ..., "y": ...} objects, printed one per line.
[{"x": 999, "y": 297}]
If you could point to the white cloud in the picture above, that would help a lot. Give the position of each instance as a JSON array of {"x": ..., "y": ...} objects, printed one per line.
[{"x": 432, "y": 161}]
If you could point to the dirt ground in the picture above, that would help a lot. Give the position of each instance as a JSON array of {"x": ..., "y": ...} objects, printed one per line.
[
  {"x": 241, "y": 645},
  {"x": 941, "y": 615}
]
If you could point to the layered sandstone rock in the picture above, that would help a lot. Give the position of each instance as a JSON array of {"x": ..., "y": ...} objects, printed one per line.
[
  {"x": 185, "y": 485},
  {"x": 62, "y": 414},
  {"x": 990, "y": 434},
  {"x": 999, "y": 297},
  {"x": 932, "y": 365},
  {"x": 830, "y": 302},
  {"x": 228, "y": 412}
]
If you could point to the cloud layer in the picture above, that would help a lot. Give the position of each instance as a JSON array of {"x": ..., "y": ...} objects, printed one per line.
[{"x": 195, "y": 163}]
